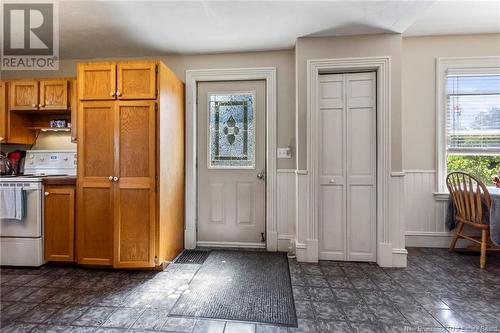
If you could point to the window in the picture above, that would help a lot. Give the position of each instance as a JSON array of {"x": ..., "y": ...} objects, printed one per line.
[
  {"x": 473, "y": 125},
  {"x": 468, "y": 117},
  {"x": 231, "y": 131}
]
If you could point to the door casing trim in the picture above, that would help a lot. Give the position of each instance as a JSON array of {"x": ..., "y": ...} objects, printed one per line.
[
  {"x": 382, "y": 66},
  {"x": 230, "y": 74}
]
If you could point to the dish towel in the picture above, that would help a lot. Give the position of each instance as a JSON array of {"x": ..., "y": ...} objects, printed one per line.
[{"x": 12, "y": 203}]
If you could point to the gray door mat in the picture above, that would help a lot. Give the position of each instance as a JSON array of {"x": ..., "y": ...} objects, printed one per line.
[
  {"x": 192, "y": 257},
  {"x": 243, "y": 286}
]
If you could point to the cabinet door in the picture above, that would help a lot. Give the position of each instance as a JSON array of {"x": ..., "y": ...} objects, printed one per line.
[
  {"x": 136, "y": 80},
  {"x": 96, "y": 81},
  {"x": 135, "y": 209},
  {"x": 59, "y": 223},
  {"x": 95, "y": 185},
  {"x": 53, "y": 95},
  {"x": 73, "y": 97},
  {"x": 23, "y": 95},
  {"x": 3, "y": 111}
]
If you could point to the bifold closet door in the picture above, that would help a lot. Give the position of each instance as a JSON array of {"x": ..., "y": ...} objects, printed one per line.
[{"x": 347, "y": 166}]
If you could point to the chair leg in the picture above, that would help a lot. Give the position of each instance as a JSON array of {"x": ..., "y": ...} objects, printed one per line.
[
  {"x": 457, "y": 235},
  {"x": 484, "y": 244}
]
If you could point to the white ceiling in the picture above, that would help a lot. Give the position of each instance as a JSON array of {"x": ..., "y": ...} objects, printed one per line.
[{"x": 134, "y": 28}]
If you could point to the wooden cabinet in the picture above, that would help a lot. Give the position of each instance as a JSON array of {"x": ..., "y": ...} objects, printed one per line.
[
  {"x": 124, "y": 220},
  {"x": 59, "y": 223},
  {"x": 128, "y": 80},
  {"x": 96, "y": 168},
  {"x": 3, "y": 111},
  {"x": 23, "y": 95},
  {"x": 96, "y": 81},
  {"x": 53, "y": 95},
  {"x": 33, "y": 103}
]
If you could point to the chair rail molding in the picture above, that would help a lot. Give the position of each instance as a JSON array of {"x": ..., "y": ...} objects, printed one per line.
[
  {"x": 231, "y": 74},
  {"x": 458, "y": 65},
  {"x": 382, "y": 65}
]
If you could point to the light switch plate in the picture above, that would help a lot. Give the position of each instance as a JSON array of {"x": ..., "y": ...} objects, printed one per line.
[{"x": 285, "y": 152}]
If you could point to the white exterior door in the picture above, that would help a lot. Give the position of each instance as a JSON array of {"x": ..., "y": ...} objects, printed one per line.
[
  {"x": 231, "y": 164},
  {"x": 347, "y": 166}
]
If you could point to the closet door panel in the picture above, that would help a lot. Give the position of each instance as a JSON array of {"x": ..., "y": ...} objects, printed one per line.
[{"x": 361, "y": 166}]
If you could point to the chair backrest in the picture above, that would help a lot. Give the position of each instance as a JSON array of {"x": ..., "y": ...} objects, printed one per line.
[{"x": 470, "y": 196}]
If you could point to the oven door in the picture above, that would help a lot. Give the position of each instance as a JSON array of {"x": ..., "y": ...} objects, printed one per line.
[{"x": 31, "y": 225}]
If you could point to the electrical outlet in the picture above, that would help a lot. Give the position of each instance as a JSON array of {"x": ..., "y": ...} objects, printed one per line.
[{"x": 285, "y": 152}]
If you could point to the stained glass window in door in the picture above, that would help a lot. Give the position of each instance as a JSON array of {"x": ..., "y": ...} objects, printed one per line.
[{"x": 231, "y": 132}]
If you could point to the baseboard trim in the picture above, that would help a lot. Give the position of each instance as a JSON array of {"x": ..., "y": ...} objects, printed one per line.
[
  {"x": 231, "y": 244},
  {"x": 436, "y": 240}
]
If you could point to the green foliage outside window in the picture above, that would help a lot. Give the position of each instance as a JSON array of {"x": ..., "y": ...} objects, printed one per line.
[{"x": 481, "y": 166}]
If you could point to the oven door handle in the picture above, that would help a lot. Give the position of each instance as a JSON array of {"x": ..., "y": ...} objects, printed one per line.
[{"x": 28, "y": 188}]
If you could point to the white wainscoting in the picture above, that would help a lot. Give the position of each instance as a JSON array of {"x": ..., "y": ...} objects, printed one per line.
[
  {"x": 424, "y": 215},
  {"x": 285, "y": 209}
]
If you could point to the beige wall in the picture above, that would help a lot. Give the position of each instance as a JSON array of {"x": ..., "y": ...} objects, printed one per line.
[
  {"x": 282, "y": 60},
  {"x": 343, "y": 47},
  {"x": 419, "y": 89}
]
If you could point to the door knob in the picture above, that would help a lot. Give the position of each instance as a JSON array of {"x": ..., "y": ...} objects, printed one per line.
[
  {"x": 118, "y": 93},
  {"x": 33, "y": 105},
  {"x": 112, "y": 93},
  {"x": 41, "y": 105},
  {"x": 332, "y": 181},
  {"x": 261, "y": 175},
  {"x": 115, "y": 178},
  {"x": 110, "y": 178},
  {"x": 46, "y": 193}
]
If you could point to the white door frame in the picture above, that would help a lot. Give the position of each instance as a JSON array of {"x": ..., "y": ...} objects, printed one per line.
[
  {"x": 231, "y": 74},
  {"x": 382, "y": 66}
]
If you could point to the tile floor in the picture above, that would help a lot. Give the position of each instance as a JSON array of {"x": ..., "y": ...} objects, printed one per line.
[{"x": 438, "y": 292}]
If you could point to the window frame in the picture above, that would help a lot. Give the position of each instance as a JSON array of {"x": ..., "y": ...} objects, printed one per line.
[{"x": 444, "y": 67}]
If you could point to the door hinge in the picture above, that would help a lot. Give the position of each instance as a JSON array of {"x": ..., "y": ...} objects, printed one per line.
[
  {"x": 156, "y": 261},
  {"x": 156, "y": 68},
  {"x": 156, "y": 107},
  {"x": 263, "y": 236}
]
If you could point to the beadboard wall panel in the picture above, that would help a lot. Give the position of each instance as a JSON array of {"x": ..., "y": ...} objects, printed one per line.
[
  {"x": 285, "y": 207},
  {"x": 424, "y": 215}
]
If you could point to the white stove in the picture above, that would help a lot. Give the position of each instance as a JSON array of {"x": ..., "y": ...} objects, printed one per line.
[{"x": 21, "y": 241}]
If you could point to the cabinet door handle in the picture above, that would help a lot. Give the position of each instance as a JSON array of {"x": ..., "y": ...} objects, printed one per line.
[
  {"x": 46, "y": 194},
  {"x": 112, "y": 93},
  {"x": 110, "y": 178},
  {"x": 115, "y": 178},
  {"x": 118, "y": 93},
  {"x": 41, "y": 105},
  {"x": 33, "y": 105}
]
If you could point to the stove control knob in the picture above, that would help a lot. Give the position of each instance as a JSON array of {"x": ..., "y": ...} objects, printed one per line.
[
  {"x": 31, "y": 156},
  {"x": 42, "y": 159},
  {"x": 65, "y": 159}
]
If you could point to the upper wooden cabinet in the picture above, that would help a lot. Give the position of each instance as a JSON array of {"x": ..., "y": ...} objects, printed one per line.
[
  {"x": 96, "y": 81},
  {"x": 45, "y": 94},
  {"x": 53, "y": 94},
  {"x": 23, "y": 95},
  {"x": 3, "y": 111},
  {"x": 136, "y": 80},
  {"x": 129, "y": 80}
]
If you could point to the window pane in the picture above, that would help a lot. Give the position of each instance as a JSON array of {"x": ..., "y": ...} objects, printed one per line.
[
  {"x": 482, "y": 166},
  {"x": 473, "y": 114},
  {"x": 231, "y": 131}
]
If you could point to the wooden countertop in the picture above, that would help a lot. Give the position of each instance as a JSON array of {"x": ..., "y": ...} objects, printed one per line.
[{"x": 59, "y": 180}]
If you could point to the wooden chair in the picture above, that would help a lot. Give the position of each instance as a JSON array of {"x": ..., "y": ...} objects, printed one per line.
[{"x": 472, "y": 202}]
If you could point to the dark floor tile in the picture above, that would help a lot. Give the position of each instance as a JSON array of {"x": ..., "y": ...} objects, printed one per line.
[
  {"x": 366, "y": 327},
  {"x": 305, "y": 326},
  {"x": 18, "y": 328},
  {"x": 388, "y": 315},
  {"x": 217, "y": 326},
  {"x": 358, "y": 313},
  {"x": 151, "y": 319},
  {"x": 418, "y": 316},
  {"x": 339, "y": 282},
  {"x": 451, "y": 319},
  {"x": 94, "y": 316},
  {"x": 349, "y": 296},
  {"x": 123, "y": 318},
  {"x": 239, "y": 327},
  {"x": 328, "y": 311},
  {"x": 315, "y": 280},
  {"x": 328, "y": 326},
  {"x": 304, "y": 310},
  {"x": 16, "y": 310},
  {"x": 40, "y": 313},
  {"x": 321, "y": 294},
  {"x": 174, "y": 324},
  {"x": 68, "y": 314},
  {"x": 363, "y": 283}
]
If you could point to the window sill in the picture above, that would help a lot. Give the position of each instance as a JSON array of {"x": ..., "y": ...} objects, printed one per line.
[{"x": 441, "y": 196}]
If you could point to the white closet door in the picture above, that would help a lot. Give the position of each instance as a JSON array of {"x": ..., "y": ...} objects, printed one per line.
[
  {"x": 347, "y": 167},
  {"x": 361, "y": 166},
  {"x": 332, "y": 167}
]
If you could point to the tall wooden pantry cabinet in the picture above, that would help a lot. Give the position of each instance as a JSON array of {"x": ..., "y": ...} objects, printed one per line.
[{"x": 130, "y": 189}]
